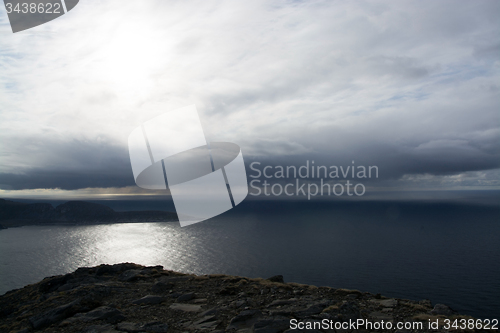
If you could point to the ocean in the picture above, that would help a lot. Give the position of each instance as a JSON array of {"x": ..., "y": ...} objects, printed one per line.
[{"x": 446, "y": 252}]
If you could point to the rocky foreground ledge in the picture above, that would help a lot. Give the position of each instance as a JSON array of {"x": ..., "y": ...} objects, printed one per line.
[{"x": 133, "y": 298}]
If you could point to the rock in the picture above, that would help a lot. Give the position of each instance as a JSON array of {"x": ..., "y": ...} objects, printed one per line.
[
  {"x": 441, "y": 309},
  {"x": 25, "y": 330},
  {"x": 68, "y": 286},
  {"x": 377, "y": 316},
  {"x": 161, "y": 287},
  {"x": 205, "y": 326},
  {"x": 425, "y": 302},
  {"x": 275, "y": 325},
  {"x": 245, "y": 319},
  {"x": 186, "y": 307},
  {"x": 106, "y": 313},
  {"x": 74, "y": 303},
  {"x": 287, "y": 312},
  {"x": 349, "y": 310},
  {"x": 130, "y": 275},
  {"x": 108, "y": 328},
  {"x": 207, "y": 322},
  {"x": 276, "y": 278},
  {"x": 175, "y": 295},
  {"x": 129, "y": 327},
  {"x": 53, "y": 283},
  {"x": 152, "y": 270},
  {"x": 313, "y": 309},
  {"x": 386, "y": 303},
  {"x": 156, "y": 327},
  {"x": 175, "y": 278},
  {"x": 229, "y": 290},
  {"x": 352, "y": 296},
  {"x": 55, "y": 315},
  {"x": 209, "y": 312},
  {"x": 200, "y": 300},
  {"x": 149, "y": 299},
  {"x": 105, "y": 269},
  {"x": 205, "y": 319},
  {"x": 185, "y": 297},
  {"x": 279, "y": 302},
  {"x": 238, "y": 304}
]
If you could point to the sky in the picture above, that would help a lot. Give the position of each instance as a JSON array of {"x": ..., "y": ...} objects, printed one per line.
[{"x": 411, "y": 87}]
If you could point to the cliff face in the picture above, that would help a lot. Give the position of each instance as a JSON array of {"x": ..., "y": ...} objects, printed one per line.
[
  {"x": 133, "y": 298},
  {"x": 81, "y": 212}
]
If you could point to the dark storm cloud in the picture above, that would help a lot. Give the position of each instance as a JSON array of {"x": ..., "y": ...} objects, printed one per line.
[
  {"x": 66, "y": 180},
  {"x": 82, "y": 164},
  {"x": 69, "y": 165}
]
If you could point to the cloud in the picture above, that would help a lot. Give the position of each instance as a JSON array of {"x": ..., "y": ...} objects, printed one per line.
[
  {"x": 471, "y": 179},
  {"x": 65, "y": 164},
  {"x": 411, "y": 87}
]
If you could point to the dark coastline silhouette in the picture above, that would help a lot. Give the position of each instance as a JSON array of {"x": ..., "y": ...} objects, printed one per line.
[{"x": 16, "y": 214}]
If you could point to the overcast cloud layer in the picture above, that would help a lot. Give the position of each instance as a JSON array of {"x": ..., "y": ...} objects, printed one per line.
[{"x": 412, "y": 87}]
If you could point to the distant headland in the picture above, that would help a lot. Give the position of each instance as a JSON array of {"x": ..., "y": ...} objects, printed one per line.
[{"x": 16, "y": 214}]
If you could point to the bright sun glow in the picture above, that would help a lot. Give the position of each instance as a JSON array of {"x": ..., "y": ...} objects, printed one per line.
[{"x": 129, "y": 62}]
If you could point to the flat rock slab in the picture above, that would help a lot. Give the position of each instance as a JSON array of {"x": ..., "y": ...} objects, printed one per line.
[
  {"x": 100, "y": 329},
  {"x": 130, "y": 275},
  {"x": 186, "y": 297},
  {"x": 153, "y": 327},
  {"x": 149, "y": 299},
  {"x": 206, "y": 326},
  {"x": 245, "y": 319},
  {"x": 186, "y": 307},
  {"x": 209, "y": 312},
  {"x": 386, "y": 303},
  {"x": 380, "y": 316},
  {"x": 441, "y": 309},
  {"x": 200, "y": 300},
  {"x": 55, "y": 315},
  {"x": 207, "y": 322},
  {"x": 280, "y": 302},
  {"x": 105, "y": 313},
  {"x": 129, "y": 327},
  {"x": 314, "y": 309},
  {"x": 161, "y": 287}
]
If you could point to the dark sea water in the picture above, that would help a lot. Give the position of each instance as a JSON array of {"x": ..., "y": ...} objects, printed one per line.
[{"x": 448, "y": 253}]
